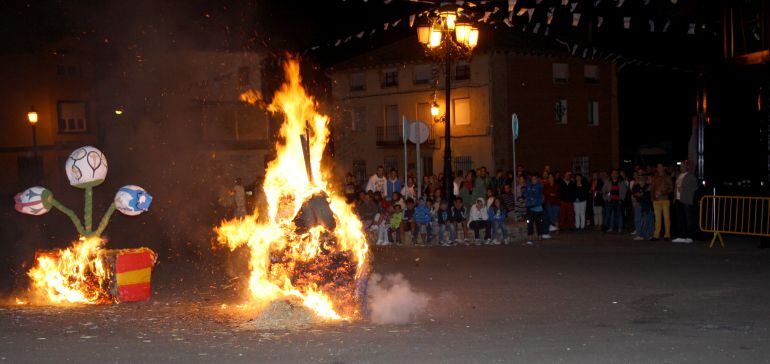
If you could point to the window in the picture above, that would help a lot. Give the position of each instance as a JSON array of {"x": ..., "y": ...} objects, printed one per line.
[
  {"x": 391, "y": 78},
  {"x": 580, "y": 165},
  {"x": 359, "y": 170},
  {"x": 243, "y": 75},
  {"x": 560, "y": 111},
  {"x": 423, "y": 113},
  {"x": 358, "y": 81},
  {"x": 593, "y": 113},
  {"x": 591, "y": 73},
  {"x": 358, "y": 120},
  {"x": 463, "y": 71},
  {"x": 235, "y": 124},
  {"x": 463, "y": 163},
  {"x": 427, "y": 166},
  {"x": 391, "y": 116},
  {"x": 73, "y": 116},
  {"x": 560, "y": 73},
  {"x": 423, "y": 74},
  {"x": 462, "y": 111},
  {"x": 390, "y": 163}
]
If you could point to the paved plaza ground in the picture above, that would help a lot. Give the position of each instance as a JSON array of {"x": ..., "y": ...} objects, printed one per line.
[{"x": 579, "y": 298}]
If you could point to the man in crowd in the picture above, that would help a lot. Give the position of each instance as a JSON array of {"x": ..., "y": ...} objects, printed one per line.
[
  {"x": 661, "y": 189},
  {"x": 377, "y": 182},
  {"x": 614, "y": 192},
  {"x": 686, "y": 184},
  {"x": 567, "y": 198},
  {"x": 393, "y": 184}
]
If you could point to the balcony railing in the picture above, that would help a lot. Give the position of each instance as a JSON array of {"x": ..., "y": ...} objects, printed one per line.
[{"x": 389, "y": 136}]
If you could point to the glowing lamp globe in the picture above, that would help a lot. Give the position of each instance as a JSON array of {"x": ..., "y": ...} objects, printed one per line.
[
  {"x": 33, "y": 201},
  {"x": 132, "y": 200},
  {"x": 86, "y": 167}
]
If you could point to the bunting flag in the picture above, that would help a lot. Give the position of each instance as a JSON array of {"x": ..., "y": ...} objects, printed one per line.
[
  {"x": 620, "y": 2},
  {"x": 573, "y": 7},
  {"x": 575, "y": 19},
  {"x": 549, "y": 16},
  {"x": 665, "y": 27},
  {"x": 360, "y": 35},
  {"x": 536, "y": 28},
  {"x": 691, "y": 29},
  {"x": 411, "y": 20},
  {"x": 396, "y": 23},
  {"x": 530, "y": 12},
  {"x": 564, "y": 2},
  {"x": 385, "y": 26},
  {"x": 511, "y": 5},
  {"x": 599, "y": 21},
  {"x": 627, "y": 22},
  {"x": 652, "y": 26},
  {"x": 486, "y": 16},
  {"x": 508, "y": 22},
  {"x": 522, "y": 11}
]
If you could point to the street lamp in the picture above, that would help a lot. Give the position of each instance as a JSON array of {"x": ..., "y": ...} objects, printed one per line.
[
  {"x": 32, "y": 118},
  {"x": 443, "y": 37}
]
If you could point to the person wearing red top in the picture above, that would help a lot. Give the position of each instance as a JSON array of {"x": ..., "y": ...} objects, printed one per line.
[{"x": 552, "y": 195}]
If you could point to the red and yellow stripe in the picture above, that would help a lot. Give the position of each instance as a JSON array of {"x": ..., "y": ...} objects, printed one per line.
[{"x": 133, "y": 269}]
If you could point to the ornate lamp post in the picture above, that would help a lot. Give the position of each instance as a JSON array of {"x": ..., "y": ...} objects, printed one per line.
[
  {"x": 32, "y": 118},
  {"x": 443, "y": 39}
]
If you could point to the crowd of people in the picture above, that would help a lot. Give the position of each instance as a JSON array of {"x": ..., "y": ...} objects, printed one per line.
[{"x": 484, "y": 206}]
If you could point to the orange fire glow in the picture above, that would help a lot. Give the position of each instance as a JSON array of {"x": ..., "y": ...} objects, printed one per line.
[
  {"x": 77, "y": 274},
  {"x": 319, "y": 268}
]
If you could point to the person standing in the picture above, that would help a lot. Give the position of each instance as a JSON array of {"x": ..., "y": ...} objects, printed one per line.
[
  {"x": 377, "y": 182},
  {"x": 641, "y": 193},
  {"x": 534, "y": 200},
  {"x": 393, "y": 184},
  {"x": 239, "y": 198},
  {"x": 552, "y": 195},
  {"x": 509, "y": 201},
  {"x": 579, "y": 204},
  {"x": 566, "y": 198},
  {"x": 661, "y": 205},
  {"x": 614, "y": 192},
  {"x": 597, "y": 200},
  {"x": 686, "y": 185},
  {"x": 497, "y": 218}
]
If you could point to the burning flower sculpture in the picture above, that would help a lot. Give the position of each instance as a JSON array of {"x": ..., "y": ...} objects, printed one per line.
[
  {"x": 86, "y": 272},
  {"x": 310, "y": 246}
]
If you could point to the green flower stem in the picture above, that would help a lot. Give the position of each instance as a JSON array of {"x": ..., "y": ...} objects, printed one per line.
[
  {"x": 105, "y": 220},
  {"x": 88, "y": 209},
  {"x": 72, "y": 216}
]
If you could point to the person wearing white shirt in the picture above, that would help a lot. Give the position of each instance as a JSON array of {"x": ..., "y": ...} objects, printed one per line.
[{"x": 377, "y": 182}]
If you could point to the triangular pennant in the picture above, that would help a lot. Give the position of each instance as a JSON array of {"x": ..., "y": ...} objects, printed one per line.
[
  {"x": 585, "y": 53},
  {"x": 337, "y": 43},
  {"x": 573, "y": 7},
  {"x": 665, "y": 27},
  {"x": 529, "y": 13},
  {"x": 575, "y": 19},
  {"x": 652, "y": 26},
  {"x": 522, "y": 11},
  {"x": 620, "y": 2},
  {"x": 385, "y": 26},
  {"x": 348, "y": 39},
  {"x": 485, "y": 18},
  {"x": 564, "y": 2},
  {"x": 508, "y": 22},
  {"x": 411, "y": 20},
  {"x": 627, "y": 22},
  {"x": 597, "y": 2},
  {"x": 360, "y": 35},
  {"x": 396, "y": 23},
  {"x": 536, "y": 28},
  {"x": 574, "y": 49},
  {"x": 691, "y": 29},
  {"x": 511, "y": 5},
  {"x": 549, "y": 17},
  {"x": 599, "y": 21}
]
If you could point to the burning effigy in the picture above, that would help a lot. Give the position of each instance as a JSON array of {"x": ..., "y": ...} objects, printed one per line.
[
  {"x": 308, "y": 250},
  {"x": 87, "y": 272}
]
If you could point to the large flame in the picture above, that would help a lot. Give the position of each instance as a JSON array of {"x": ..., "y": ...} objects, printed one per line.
[
  {"x": 319, "y": 268},
  {"x": 77, "y": 274}
]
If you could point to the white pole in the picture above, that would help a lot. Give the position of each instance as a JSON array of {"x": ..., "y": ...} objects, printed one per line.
[
  {"x": 515, "y": 177},
  {"x": 419, "y": 170},
  {"x": 406, "y": 151}
]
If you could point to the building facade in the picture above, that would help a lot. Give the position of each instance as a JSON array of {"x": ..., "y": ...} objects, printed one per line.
[{"x": 566, "y": 106}]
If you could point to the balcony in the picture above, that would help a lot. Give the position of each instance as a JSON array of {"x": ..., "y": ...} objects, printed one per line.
[{"x": 390, "y": 136}]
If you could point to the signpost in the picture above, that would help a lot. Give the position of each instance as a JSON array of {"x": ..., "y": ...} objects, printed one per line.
[
  {"x": 515, "y": 130},
  {"x": 418, "y": 134}
]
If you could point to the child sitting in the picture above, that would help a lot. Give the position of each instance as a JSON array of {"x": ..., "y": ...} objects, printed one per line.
[
  {"x": 497, "y": 217},
  {"x": 457, "y": 217},
  {"x": 443, "y": 219},
  {"x": 422, "y": 220},
  {"x": 394, "y": 231}
]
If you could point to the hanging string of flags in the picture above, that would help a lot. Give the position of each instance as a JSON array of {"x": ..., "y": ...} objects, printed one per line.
[{"x": 640, "y": 16}]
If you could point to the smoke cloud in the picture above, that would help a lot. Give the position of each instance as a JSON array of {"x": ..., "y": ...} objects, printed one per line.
[{"x": 393, "y": 301}]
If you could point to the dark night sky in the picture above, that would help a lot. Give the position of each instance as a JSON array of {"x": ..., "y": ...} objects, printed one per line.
[{"x": 651, "y": 98}]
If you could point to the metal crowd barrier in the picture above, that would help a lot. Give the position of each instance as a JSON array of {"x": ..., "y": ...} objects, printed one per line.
[{"x": 740, "y": 215}]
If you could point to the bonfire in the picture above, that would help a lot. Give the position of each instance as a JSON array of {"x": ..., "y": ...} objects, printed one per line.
[{"x": 309, "y": 247}]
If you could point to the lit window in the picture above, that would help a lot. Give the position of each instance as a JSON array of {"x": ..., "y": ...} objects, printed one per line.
[
  {"x": 357, "y": 82},
  {"x": 560, "y": 73},
  {"x": 591, "y": 73},
  {"x": 593, "y": 113},
  {"x": 462, "y": 111}
]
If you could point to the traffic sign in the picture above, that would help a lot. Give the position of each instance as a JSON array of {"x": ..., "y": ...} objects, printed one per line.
[{"x": 418, "y": 132}]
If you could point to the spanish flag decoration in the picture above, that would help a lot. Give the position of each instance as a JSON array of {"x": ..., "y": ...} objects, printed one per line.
[{"x": 133, "y": 270}]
